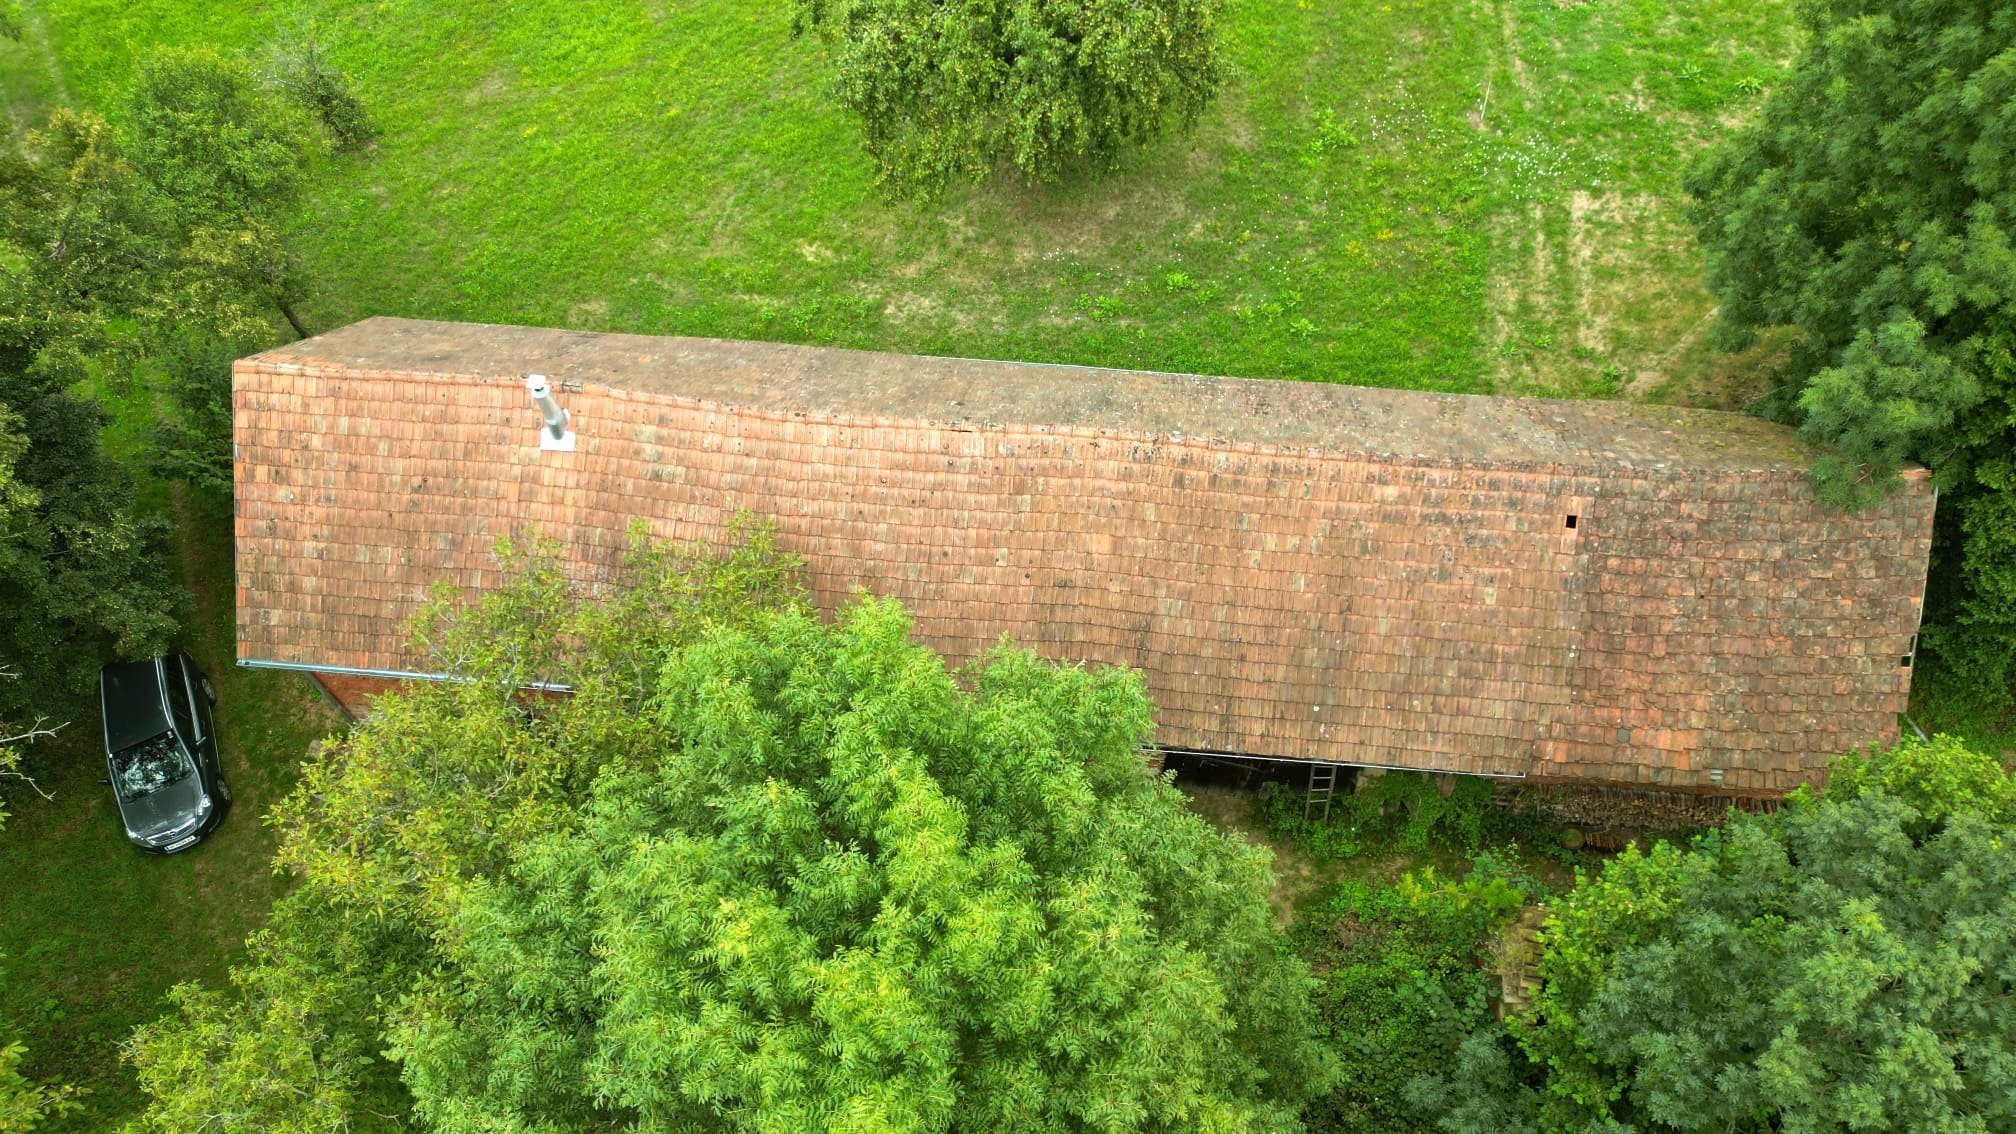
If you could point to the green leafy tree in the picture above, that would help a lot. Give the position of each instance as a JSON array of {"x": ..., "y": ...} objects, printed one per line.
[
  {"x": 302, "y": 71},
  {"x": 85, "y": 576},
  {"x": 192, "y": 443},
  {"x": 220, "y": 154},
  {"x": 75, "y": 249},
  {"x": 221, "y": 159},
  {"x": 1938, "y": 778},
  {"x": 951, "y": 90},
  {"x": 289, "y": 1050},
  {"x": 1846, "y": 964},
  {"x": 1873, "y": 208},
  {"x": 81, "y": 575},
  {"x": 756, "y": 872}
]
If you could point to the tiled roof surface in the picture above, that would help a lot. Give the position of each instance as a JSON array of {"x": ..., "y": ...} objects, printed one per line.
[{"x": 1301, "y": 570}]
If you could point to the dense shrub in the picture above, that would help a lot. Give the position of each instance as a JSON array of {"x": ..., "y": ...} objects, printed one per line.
[
  {"x": 1403, "y": 981},
  {"x": 301, "y": 70},
  {"x": 952, "y": 90},
  {"x": 1844, "y": 964},
  {"x": 1400, "y": 811}
]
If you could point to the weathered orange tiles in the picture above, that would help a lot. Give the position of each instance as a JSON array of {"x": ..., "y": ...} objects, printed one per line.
[{"x": 1300, "y": 570}]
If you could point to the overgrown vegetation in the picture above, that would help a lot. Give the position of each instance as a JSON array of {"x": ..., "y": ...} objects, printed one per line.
[
  {"x": 1412, "y": 812},
  {"x": 1403, "y": 811},
  {"x": 953, "y": 90},
  {"x": 1839, "y": 965},
  {"x": 1404, "y": 977},
  {"x": 1872, "y": 209},
  {"x": 757, "y": 872}
]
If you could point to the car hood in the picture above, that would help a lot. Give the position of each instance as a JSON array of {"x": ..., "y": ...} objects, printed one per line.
[{"x": 163, "y": 810}]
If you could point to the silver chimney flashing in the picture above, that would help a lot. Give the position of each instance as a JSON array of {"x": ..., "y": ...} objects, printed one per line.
[{"x": 554, "y": 436}]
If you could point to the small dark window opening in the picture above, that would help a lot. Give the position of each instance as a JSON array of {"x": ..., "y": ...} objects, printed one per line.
[
  {"x": 1905, "y": 660},
  {"x": 1571, "y": 520}
]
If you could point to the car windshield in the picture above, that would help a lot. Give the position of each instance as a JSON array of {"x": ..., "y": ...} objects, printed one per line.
[{"x": 149, "y": 766}]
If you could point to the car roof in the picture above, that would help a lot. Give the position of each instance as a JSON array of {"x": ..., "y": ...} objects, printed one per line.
[{"x": 134, "y": 708}]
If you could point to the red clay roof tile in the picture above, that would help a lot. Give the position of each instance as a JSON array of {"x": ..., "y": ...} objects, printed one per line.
[{"x": 1300, "y": 570}]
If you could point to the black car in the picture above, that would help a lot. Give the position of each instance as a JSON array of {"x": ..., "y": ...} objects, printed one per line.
[{"x": 161, "y": 749}]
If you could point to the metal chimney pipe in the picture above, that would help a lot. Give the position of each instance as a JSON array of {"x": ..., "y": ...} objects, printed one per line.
[{"x": 549, "y": 410}]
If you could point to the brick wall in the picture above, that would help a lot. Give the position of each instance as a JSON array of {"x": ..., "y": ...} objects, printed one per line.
[{"x": 353, "y": 693}]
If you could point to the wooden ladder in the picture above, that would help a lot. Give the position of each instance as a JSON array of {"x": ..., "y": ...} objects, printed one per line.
[{"x": 1322, "y": 786}]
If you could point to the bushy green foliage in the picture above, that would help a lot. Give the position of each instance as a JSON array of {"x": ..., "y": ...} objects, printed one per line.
[
  {"x": 1938, "y": 778},
  {"x": 1845, "y": 964},
  {"x": 757, "y": 872},
  {"x": 220, "y": 156},
  {"x": 289, "y": 1050},
  {"x": 1972, "y": 612},
  {"x": 1402, "y": 983},
  {"x": 952, "y": 90},
  {"x": 301, "y": 70},
  {"x": 386, "y": 831},
  {"x": 210, "y": 142},
  {"x": 192, "y": 442},
  {"x": 80, "y": 574},
  {"x": 1403, "y": 811},
  {"x": 24, "y": 1103},
  {"x": 220, "y": 159},
  {"x": 1873, "y": 207}
]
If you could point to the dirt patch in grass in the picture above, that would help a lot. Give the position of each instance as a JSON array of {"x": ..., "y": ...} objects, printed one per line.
[
  {"x": 1297, "y": 876},
  {"x": 1597, "y": 286}
]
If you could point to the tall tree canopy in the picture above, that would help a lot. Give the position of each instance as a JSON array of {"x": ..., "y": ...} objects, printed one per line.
[
  {"x": 160, "y": 241},
  {"x": 756, "y": 873},
  {"x": 948, "y": 90},
  {"x": 80, "y": 574},
  {"x": 1847, "y": 964},
  {"x": 1873, "y": 208},
  {"x": 221, "y": 159}
]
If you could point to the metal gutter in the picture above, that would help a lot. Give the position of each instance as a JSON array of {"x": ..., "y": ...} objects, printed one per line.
[
  {"x": 1215, "y": 755},
  {"x": 388, "y": 674}
]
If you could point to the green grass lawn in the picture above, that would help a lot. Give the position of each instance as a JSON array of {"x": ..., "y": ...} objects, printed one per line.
[
  {"x": 1478, "y": 196},
  {"x": 96, "y": 931}
]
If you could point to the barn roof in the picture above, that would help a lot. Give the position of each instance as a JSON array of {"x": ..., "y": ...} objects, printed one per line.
[{"x": 1300, "y": 569}]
